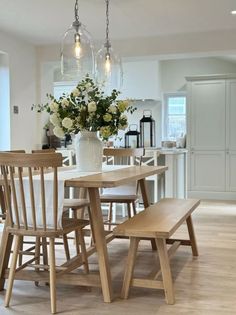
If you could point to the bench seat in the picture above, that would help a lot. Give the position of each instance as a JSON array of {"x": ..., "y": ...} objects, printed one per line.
[{"x": 158, "y": 222}]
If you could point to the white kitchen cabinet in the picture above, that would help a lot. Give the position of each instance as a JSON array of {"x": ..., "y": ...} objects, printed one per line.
[
  {"x": 172, "y": 183},
  {"x": 207, "y": 119},
  {"x": 231, "y": 171},
  {"x": 211, "y": 134},
  {"x": 231, "y": 115},
  {"x": 141, "y": 80},
  {"x": 175, "y": 176},
  {"x": 207, "y": 170}
]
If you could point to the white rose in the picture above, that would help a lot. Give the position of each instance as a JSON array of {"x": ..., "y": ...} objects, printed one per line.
[
  {"x": 88, "y": 86},
  {"x": 67, "y": 123},
  {"x": 65, "y": 102},
  {"x": 54, "y": 119},
  {"x": 92, "y": 107},
  {"x": 107, "y": 117},
  {"x": 54, "y": 106},
  {"x": 76, "y": 92},
  {"x": 58, "y": 132},
  {"x": 112, "y": 109}
]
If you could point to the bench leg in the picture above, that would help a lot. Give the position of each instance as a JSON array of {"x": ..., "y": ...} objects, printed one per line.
[
  {"x": 165, "y": 270},
  {"x": 129, "y": 267},
  {"x": 192, "y": 236}
]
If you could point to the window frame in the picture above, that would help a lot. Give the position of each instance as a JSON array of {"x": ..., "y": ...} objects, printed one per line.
[{"x": 166, "y": 96}]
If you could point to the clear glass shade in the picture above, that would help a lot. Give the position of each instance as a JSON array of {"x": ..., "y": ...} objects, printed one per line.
[
  {"x": 77, "y": 57},
  {"x": 108, "y": 69}
]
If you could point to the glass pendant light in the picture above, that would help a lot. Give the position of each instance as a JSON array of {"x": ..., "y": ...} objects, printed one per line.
[
  {"x": 108, "y": 64},
  {"x": 77, "y": 57}
]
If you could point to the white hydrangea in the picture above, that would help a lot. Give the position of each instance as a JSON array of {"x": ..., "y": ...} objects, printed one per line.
[
  {"x": 65, "y": 102},
  {"x": 58, "y": 132},
  {"x": 67, "y": 123},
  {"x": 54, "y": 107},
  {"x": 92, "y": 107},
  {"x": 54, "y": 119},
  {"x": 76, "y": 92}
]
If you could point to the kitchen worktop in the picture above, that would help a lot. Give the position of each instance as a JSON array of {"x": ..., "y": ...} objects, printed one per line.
[{"x": 167, "y": 150}]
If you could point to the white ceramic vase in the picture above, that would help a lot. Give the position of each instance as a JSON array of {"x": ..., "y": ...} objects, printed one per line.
[{"x": 89, "y": 150}]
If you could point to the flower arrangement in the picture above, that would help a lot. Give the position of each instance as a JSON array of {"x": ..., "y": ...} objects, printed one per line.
[{"x": 87, "y": 108}]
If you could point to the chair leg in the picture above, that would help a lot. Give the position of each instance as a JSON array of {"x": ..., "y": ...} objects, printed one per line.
[
  {"x": 77, "y": 241},
  {"x": 192, "y": 236},
  {"x": 83, "y": 251},
  {"x": 66, "y": 247},
  {"x": 45, "y": 251},
  {"x": 37, "y": 255},
  {"x": 110, "y": 215},
  {"x": 16, "y": 248},
  {"x": 129, "y": 210},
  {"x": 134, "y": 208},
  {"x": 21, "y": 249},
  {"x": 134, "y": 241},
  {"x": 52, "y": 271},
  {"x": 165, "y": 270}
]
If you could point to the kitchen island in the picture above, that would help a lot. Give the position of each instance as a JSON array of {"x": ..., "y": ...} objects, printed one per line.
[{"x": 173, "y": 183}]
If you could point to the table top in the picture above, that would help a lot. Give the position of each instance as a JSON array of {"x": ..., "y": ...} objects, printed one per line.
[
  {"x": 111, "y": 178},
  {"x": 116, "y": 177}
]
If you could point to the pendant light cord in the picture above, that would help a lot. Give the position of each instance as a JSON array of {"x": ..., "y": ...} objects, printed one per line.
[
  {"x": 76, "y": 11},
  {"x": 107, "y": 44}
]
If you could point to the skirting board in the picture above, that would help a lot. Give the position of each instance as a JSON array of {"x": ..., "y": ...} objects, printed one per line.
[{"x": 214, "y": 195}]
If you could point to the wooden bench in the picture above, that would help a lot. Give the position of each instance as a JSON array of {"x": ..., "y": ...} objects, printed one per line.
[{"x": 158, "y": 222}]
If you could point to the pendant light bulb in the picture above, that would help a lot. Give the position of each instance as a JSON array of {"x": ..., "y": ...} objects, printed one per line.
[
  {"x": 77, "y": 46},
  {"x": 108, "y": 64}
]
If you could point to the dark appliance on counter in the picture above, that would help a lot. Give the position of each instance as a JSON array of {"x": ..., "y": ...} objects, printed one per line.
[
  {"x": 147, "y": 130},
  {"x": 132, "y": 137}
]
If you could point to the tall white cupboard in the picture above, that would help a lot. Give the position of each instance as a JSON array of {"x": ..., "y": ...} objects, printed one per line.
[{"x": 211, "y": 136}]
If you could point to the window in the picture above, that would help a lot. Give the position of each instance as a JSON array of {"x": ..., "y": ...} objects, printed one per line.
[{"x": 174, "y": 115}]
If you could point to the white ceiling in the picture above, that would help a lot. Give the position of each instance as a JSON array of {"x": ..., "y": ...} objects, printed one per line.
[{"x": 45, "y": 21}]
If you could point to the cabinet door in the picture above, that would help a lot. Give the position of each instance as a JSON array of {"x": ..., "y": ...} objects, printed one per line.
[
  {"x": 231, "y": 170},
  {"x": 207, "y": 170},
  {"x": 207, "y": 115},
  {"x": 231, "y": 115}
]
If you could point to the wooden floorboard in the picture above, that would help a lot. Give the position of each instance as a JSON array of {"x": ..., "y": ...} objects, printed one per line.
[{"x": 203, "y": 286}]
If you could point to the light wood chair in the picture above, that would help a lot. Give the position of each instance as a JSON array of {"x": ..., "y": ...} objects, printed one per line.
[
  {"x": 23, "y": 222},
  {"x": 2, "y": 198},
  {"x": 124, "y": 194}
]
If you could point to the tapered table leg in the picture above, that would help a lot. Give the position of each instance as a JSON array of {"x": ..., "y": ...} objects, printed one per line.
[{"x": 101, "y": 247}]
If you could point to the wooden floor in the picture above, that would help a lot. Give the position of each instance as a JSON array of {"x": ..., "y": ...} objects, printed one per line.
[{"x": 206, "y": 285}]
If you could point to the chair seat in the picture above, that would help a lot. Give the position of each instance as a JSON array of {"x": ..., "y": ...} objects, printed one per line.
[
  {"x": 76, "y": 203},
  {"x": 118, "y": 198},
  {"x": 68, "y": 225}
]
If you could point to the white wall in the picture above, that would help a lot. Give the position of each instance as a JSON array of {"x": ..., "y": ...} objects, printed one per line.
[
  {"x": 22, "y": 66},
  {"x": 5, "y": 133},
  {"x": 173, "y": 72}
]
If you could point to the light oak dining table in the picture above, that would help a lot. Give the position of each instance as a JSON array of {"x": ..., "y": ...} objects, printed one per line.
[{"x": 93, "y": 183}]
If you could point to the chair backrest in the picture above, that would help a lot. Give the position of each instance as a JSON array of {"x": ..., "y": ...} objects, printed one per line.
[
  {"x": 25, "y": 194},
  {"x": 124, "y": 156},
  {"x": 44, "y": 151}
]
